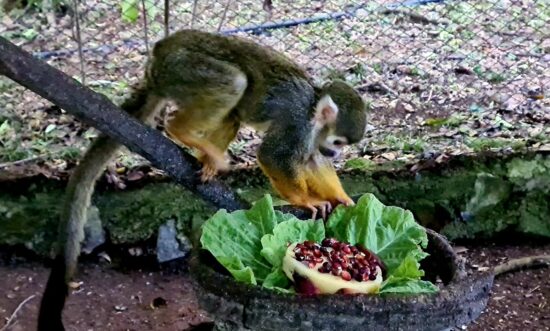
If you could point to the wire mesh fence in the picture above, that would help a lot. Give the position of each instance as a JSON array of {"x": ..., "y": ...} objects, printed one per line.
[{"x": 420, "y": 64}]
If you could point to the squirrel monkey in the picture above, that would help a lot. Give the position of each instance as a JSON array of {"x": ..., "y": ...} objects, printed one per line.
[{"x": 217, "y": 84}]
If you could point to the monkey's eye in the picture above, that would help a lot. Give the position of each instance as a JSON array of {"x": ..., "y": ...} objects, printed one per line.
[{"x": 338, "y": 142}]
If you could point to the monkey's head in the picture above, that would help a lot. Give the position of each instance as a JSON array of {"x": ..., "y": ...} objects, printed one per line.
[{"x": 340, "y": 116}]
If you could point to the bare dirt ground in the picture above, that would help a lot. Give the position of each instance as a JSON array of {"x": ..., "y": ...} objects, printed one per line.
[
  {"x": 106, "y": 300},
  {"x": 142, "y": 300}
]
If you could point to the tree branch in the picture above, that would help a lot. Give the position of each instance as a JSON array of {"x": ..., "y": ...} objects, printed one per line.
[
  {"x": 96, "y": 110},
  {"x": 522, "y": 263}
]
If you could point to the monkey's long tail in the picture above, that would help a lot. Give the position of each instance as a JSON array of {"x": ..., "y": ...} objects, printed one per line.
[
  {"x": 74, "y": 215},
  {"x": 53, "y": 299}
]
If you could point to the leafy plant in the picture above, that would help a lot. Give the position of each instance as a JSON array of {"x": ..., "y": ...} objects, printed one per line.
[
  {"x": 130, "y": 10},
  {"x": 359, "y": 164},
  {"x": 391, "y": 233},
  {"x": 251, "y": 244}
]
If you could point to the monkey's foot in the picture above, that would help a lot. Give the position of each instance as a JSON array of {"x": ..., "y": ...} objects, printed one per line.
[
  {"x": 325, "y": 207},
  {"x": 207, "y": 172},
  {"x": 211, "y": 166}
]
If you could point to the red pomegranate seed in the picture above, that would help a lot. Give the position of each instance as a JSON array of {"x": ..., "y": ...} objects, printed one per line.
[
  {"x": 317, "y": 253},
  {"x": 365, "y": 251},
  {"x": 350, "y": 262},
  {"x": 327, "y": 242},
  {"x": 346, "y": 249},
  {"x": 345, "y": 275}
]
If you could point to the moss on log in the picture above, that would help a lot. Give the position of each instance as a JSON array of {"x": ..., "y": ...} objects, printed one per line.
[
  {"x": 465, "y": 197},
  {"x": 30, "y": 218}
]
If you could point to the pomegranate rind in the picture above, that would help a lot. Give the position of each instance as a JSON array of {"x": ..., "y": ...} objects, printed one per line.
[{"x": 326, "y": 283}]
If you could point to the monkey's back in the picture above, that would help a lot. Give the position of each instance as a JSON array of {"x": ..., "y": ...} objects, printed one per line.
[
  {"x": 275, "y": 84},
  {"x": 253, "y": 59}
]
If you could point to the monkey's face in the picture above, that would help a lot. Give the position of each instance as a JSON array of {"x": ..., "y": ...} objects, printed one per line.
[
  {"x": 332, "y": 145},
  {"x": 341, "y": 114}
]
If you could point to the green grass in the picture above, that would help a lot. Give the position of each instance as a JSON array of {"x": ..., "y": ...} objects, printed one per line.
[{"x": 485, "y": 144}]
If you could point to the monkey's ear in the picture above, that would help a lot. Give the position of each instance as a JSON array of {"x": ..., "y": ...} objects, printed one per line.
[{"x": 326, "y": 110}]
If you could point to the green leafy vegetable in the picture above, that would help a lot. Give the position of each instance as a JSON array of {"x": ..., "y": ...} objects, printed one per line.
[
  {"x": 235, "y": 239},
  {"x": 277, "y": 280},
  {"x": 251, "y": 244},
  {"x": 391, "y": 233},
  {"x": 291, "y": 231},
  {"x": 274, "y": 246},
  {"x": 406, "y": 279}
]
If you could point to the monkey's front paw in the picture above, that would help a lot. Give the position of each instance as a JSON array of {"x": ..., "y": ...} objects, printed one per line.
[
  {"x": 347, "y": 201},
  {"x": 325, "y": 207}
]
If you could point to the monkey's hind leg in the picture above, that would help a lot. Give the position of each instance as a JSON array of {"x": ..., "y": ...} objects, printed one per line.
[
  {"x": 221, "y": 138},
  {"x": 194, "y": 132},
  {"x": 206, "y": 90}
]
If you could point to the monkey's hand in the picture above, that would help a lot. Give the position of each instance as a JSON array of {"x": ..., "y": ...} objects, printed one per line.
[
  {"x": 304, "y": 200},
  {"x": 321, "y": 206}
]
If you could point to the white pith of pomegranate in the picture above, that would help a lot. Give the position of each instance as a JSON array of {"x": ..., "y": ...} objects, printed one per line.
[{"x": 332, "y": 267}]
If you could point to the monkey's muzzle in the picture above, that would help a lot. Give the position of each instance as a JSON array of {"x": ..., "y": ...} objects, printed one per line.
[{"x": 328, "y": 152}]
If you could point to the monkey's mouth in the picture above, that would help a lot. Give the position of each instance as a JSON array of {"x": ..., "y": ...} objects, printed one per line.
[{"x": 327, "y": 152}]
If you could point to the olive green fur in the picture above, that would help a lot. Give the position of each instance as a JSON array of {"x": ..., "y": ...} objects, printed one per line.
[{"x": 190, "y": 63}]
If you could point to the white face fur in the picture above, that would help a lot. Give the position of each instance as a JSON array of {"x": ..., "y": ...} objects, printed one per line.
[
  {"x": 326, "y": 113},
  {"x": 333, "y": 145}
]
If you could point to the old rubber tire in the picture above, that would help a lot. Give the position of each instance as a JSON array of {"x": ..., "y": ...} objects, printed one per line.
[{"x": 238, "y": 306}]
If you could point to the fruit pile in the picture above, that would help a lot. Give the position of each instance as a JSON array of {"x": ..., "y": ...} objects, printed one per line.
[{"x": 332, "y": 267}]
